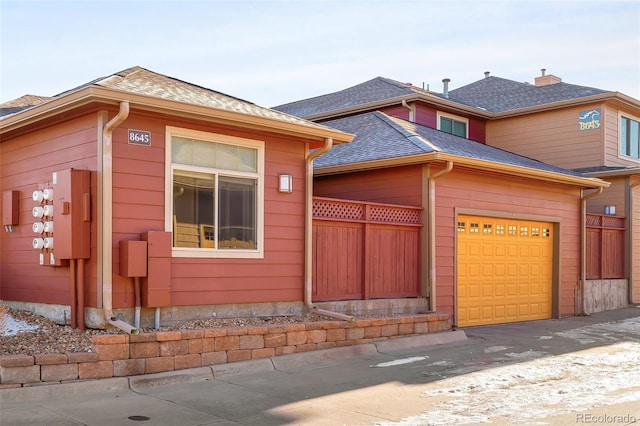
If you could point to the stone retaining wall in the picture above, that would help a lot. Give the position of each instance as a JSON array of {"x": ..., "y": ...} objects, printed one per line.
[{"x": 120, "y": 355}]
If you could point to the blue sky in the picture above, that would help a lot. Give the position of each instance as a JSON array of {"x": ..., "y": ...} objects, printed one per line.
[{"x": 272, "y": 52}]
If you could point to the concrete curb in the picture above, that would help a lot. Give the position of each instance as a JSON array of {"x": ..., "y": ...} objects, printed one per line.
[{"x": 220, "y": 371}]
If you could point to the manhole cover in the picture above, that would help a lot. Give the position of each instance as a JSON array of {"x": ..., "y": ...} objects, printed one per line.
[{"x": 139, "y": 418}]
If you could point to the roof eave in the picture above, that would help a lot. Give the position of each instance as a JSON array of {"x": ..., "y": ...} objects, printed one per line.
[
  {"x": 397, "y": 101},
  {"x": 633, "y": 171},
  {"x": 91, "y": 94},
  {"x": 584, "y": 182},
  {"x": 600, "y": 97}
]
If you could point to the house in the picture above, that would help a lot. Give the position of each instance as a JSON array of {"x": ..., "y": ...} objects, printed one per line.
[
  {"x": 142, "y": 191},
  {"x": 469, "y": 185},
  {"x": 593, "y": 131}
]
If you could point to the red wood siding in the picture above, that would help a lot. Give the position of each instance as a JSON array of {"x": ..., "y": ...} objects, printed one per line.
[
  {"x": 397, "y": 185},
  {"x": 138, "y": 206},
  {"x": 611, "y": 133},
  {"x": 520, "y": 198},
  {"x": 27, "y": 163},
  {"x": 551, "y": 136},
  {"x": 397, "y": 111}
]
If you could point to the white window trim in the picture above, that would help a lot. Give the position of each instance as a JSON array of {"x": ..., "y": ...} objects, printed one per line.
[
  {"x": 619, "y": 133},
  {"x": 453, "y": 117},
  {"x": 258, "y": 253}
]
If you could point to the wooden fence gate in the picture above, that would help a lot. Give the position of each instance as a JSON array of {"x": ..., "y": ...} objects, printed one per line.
[
  {"x": 605, "y": 246},
  {"x": 365, "y": 250}
]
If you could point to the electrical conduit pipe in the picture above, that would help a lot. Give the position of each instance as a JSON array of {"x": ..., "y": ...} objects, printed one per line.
[
  {"x": 107, "y": 238},
  {"x": 308, "y": 236}
]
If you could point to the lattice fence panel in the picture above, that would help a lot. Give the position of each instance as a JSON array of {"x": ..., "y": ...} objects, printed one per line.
[
  {"x": 594, "y": 220},
  {"x": 613, "y": 222},
  {"x": 337, "y": 210},
  {"x": 394, "y": 215}
]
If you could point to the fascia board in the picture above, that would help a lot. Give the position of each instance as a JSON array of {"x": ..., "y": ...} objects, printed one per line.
[
  {"x": 586, "y": 182},
  {"x": 477, "y": 112},
  {"x": 91, "y": 94},
  {"x": 398, "y": 101}
]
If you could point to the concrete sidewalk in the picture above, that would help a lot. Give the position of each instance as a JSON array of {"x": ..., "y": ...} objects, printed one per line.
[{"x": 392, "y": 382}]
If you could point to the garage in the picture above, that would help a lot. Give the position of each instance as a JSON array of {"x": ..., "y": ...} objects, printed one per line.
[{"x": 504, "y": 270}]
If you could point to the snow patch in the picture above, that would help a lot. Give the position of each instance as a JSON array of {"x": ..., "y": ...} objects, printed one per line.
[
  {"x": 494, "y": 349},
  {"x": 13, "y": 326},
  {"x": 400, "y": 361},
  {"x": 527, "y": 354},
  {"x": 543, "y": 387}
]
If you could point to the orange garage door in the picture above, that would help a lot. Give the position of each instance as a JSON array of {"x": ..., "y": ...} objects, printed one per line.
[{"x": 504, "y": 271}]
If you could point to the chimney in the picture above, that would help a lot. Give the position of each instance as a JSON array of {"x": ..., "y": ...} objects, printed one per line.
[
  {"x": 486, "y": 74},
  {"x": 545, "y": 80},
  {"x": 445, "y": 91}
]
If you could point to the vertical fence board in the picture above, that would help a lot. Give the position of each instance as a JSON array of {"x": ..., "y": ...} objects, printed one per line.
[
  {"x": 605, "y": 246},
  {"x": 365, "y": 250}
]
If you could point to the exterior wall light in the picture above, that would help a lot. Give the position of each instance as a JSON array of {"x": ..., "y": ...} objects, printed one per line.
[
  {"x": 610, "y": 210},
  {"x": 286, "y": 183}
]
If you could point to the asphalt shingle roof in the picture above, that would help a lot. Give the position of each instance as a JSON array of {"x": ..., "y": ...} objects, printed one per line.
[
  {"x": 141, "y": 81},
  {"x": 491, "y": 94},
  {"x": 23, "y": 102},
  {"x": 377, "y": 89},
  {"x": 495, "y": 94},
  {"x": 380, "y": 136}
]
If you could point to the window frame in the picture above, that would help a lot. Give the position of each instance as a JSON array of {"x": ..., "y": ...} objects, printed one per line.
[
  {"x": 453, "y": 117},
  {"x": 621, "y": 154},
  {"x": 205, "y": 252}
]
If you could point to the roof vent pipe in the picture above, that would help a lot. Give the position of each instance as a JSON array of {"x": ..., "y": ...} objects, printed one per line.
[
  {"x": 445, "y": 91},
  {"x": 486, "y": 74},
  {"x": 543, "y": 70}
]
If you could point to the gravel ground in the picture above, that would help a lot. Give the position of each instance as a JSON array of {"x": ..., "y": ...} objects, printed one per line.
[{"x": 38, "y": 335}]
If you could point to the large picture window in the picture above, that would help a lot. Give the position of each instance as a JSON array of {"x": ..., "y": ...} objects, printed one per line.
[
  {"x": 629, "y": 137},
  {"x": 215, "y": 184}
]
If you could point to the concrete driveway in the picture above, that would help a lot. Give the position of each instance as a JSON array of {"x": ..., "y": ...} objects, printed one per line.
[{"x": 580, "y": 370}]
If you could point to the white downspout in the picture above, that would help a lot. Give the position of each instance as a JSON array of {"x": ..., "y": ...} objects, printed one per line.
[
  {"x": 107, "y": 220},
  {"x": 431, "y": 229},
  {"x": 308, "y": 235},
  {"x": 630, "y": 247},
  {"x": 412, "y": 112},
  {"x": 583, "y": 246}
]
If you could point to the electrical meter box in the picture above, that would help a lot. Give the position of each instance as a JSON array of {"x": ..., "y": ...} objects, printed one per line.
[
  {"x": 72, "y": 213},
  {"x": 133, "y": 258}
]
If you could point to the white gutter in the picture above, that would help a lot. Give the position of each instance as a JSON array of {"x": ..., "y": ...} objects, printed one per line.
[
  {"x": 583, "y": 245},
  {"x": 107, "y": 220},
  {"x": 431, "y": 229},
  {"x": 308, "y": 236}
]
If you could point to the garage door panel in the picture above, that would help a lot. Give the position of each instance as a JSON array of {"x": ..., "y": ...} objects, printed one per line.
[{"x": 504, "y": 270}]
